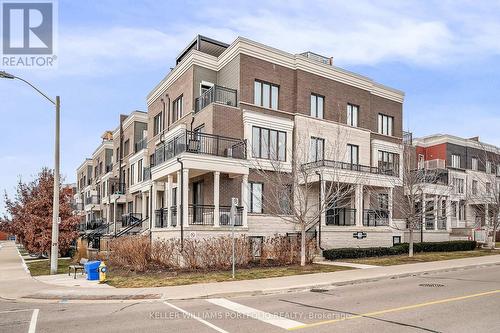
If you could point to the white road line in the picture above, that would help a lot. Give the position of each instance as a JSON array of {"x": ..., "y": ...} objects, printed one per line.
[
  {"x": 34, "y": 318},
  {"x": 266, "y": 317},
  {"x": 13, "y": 311},
  {"x": 218, "y": 329}
]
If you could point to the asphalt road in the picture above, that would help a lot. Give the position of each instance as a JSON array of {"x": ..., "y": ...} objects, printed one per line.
[{"x": 458, "y": 301}]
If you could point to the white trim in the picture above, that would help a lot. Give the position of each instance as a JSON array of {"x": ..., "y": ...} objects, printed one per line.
[{"x": 104, "y": 144}]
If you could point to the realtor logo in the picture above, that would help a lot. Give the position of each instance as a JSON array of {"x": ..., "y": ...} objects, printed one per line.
[{"x": 28, "y": 31}]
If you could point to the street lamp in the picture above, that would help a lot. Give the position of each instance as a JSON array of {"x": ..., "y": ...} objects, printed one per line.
[{"x": 54, "y": 249}]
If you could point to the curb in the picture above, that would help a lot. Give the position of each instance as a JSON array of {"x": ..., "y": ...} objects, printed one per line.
[{"x": 294, "y": 289}]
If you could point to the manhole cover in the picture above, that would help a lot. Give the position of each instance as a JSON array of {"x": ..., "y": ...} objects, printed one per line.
[
  {"x": 431, "y": 285},
  {"x": 319, "y": 290}
]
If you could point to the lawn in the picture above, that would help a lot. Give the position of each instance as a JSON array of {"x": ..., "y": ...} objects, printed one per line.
[
  {"x": 122, "y": 279},
  {"x": 42, "y": 267},
  {"x": 421, "y": 257}
]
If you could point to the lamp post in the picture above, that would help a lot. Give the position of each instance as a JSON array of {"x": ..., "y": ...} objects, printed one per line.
[{"x": 54, "y": 249}]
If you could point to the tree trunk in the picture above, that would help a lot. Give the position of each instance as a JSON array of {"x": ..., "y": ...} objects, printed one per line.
[
  {"x": 303, "y": 245},
  {"x": 410, "y": 247}
]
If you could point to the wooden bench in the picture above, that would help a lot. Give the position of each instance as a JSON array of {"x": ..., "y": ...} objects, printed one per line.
[{"x": 80, "y": 266}]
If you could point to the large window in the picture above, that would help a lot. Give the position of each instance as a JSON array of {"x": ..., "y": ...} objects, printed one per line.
[
  {"x": 352, "y": 115},
  {"x": 388, "y": 161},
  {"x": 474, "y": 163},
  {"x": 157, "y": 123},
  {"x": 353, "y": 154},
  {"x": 458, "y": 184},
  {"x": 255, "y": 197},
  {"x": 316, "y": 149},
  {"x": 317, "y": 103},
  {"x": 385, "y": 124},
  {"x": 474, "y": 187},
  {"x": 268, "y": 144},
  {"x": 177, "y": 107},
  {"x": 139, "y": 171},
  {"x": 132, "y": 169},
  {"x": 266, "y": 94},
  {"x": 455, "y": 161}
]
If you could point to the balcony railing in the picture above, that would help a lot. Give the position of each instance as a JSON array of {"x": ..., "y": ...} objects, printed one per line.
[
  {"x": 429, "y": 222},
  {"x": 130, "y": 218},
  {"x": 389, "y": 171},
  {"x": 216, "y": 94},
  {"x": 441, "y": 223},
  {"x": 159, "y": 218},
  {"x": 341, "y": 216},
  {"x": 201, "y": 215},
  {"x": 173, "y": 216},
  {"x": 140, "y": 145},
  {"x": 116, "y": 188},
  {"x": 201, "y": 143},
  {"x": 225, "y": 216},
  {"x": 375, "y": 217},
  {"x": 431, "y": 176},
  {"x": 146, "y": 173},
  {"x": 92, "y": 200},
  {"x": 94, "y": 224}
]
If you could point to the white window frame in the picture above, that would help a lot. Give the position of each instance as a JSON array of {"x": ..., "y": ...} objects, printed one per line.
[
  {"x": 385, "y": 124},
  {"x": 352, "y": 115},
  {"x": 261, "y": 88},
  {"x": 455, "y": 161},
  {"x": 314, "y": 150},
  {"x": 317, "y": 109},
  {"x": 474, "y": 163}
]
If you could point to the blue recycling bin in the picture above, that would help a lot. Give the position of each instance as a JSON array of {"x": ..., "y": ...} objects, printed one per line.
[{"x": 92, "y": 269}]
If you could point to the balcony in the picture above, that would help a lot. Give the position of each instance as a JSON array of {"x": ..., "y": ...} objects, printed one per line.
[
  {"x": 92, "y": 200},
  {"x": 146, "y": 173},
  {"x": 216, "y": 94},
  {"x": 94, "y": 224},
  {"x": 380, "y": 170},
  {"x": 375, "y": 217},
  {"x": 225, "y": 216},
  {"x": 201, "y": 143},
  {"x": 140, "y": 145},
  {"x": 116, "y": 187},
  {"x": 201, "y": 215},
  {"x": 441, "y": 223},
  {"x": 431, "y": 176},
  {"x": 130, "y": 218},
  {"x": 341, "y": 217}
]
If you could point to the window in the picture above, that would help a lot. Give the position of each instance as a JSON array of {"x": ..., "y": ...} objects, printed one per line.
[
  {"x": 474, "y": 187},
  {"x": 352, "y": 115},
  {"x": 317, "y": 103},
  {"x": 255, "y": 197},
  {"x": 421, "y": 162},
  {"x": 139, "y": 171},
  {"x": 461, "y": 210},
  {"x": 454, "y": 209},
  {"x": 266, "y": 94},
  {"x": 353, "y": 154},
  {"x": 268, "y": 144},
  {"x": 316, "y": 149},
  {"x": 177, "y": 106},
  {"x": 385, "y": 124},
  {"x": 488, "y": 188},
  {"x": 383, "y": 201},
  {"x": 388, "y": 161},
  {"x": 474, "y": 163},
  {"x": 126, "y": 146},
  {"x": 157, "y": 123},
  {"x": 132, "y": 167},
  {"x": 488, "y": 167},
  {"x": 458, "y": 184},
  {"x": 455, "y": 161}
]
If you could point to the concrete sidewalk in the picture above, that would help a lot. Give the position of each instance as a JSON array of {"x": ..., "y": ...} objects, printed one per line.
[{"x": 15, "y": 283}]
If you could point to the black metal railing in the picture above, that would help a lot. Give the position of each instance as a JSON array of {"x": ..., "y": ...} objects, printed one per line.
[
  {"x": 117, "y": 188},
  {"x": 92, "y": 200},
  {"x": 130, "y": 218},
  {"x": 375, "y": 217},
  {"x": 225, "y": 216},
  {"x": 140, "y": 145},
  {"x": 201, "y": 143},
  {"x": 146, "y": 173},
  {"x": 216, "y": 94},
  {"x": 159, "y": 218},
  {"x": 95, "y": 224},
  {"x": 441, "y": 223},
  {"x": 341, "y": 216},
  {"x": 389, "y": 171},
  {"x": 201, "y": 214},
  {"x": 433, "y": 176},
  {"x": 173, "y": 216}
]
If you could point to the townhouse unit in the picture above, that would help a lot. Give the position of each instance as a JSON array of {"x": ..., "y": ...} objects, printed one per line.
[
  {"x": 227, "y": 112},
  {"x": 461, "y": 200}
]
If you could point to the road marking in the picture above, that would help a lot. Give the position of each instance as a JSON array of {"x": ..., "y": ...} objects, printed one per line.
[
  {"x": 256, "y": 314},
  {"x": 402, "y": 308},
  {"x": 20, "y": 310},
  {"x": 34, "y": 318},
  {"x": 218, "y": 329}
]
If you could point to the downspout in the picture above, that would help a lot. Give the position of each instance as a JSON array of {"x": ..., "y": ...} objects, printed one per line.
[
  {"x": 319, "y": 200},
  {"x": 182, "y": 201}
]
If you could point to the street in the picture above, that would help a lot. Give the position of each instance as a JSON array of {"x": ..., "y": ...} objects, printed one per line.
[{"x": 456, "y": 301}]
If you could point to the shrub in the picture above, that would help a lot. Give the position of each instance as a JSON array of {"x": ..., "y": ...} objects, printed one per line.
[{"x": 353, "y": 253}]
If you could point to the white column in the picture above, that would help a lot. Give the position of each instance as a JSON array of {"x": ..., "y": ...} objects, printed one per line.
[
  {"x": 390, "y": 196},
  {"x": 179, "y": 203},
  {"x": 168, "y": 202},
  {"x": 216, "y": 198},
  {"x": 322, "y": 205},
  {"x": 358, "y": 204},
  {"x": 244, "y": 198},
  {"x": 436, "y": 210},
  {"x": 185, "y": 198}
]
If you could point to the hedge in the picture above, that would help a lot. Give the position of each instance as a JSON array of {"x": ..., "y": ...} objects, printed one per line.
[{"x": 352, "y": 253}]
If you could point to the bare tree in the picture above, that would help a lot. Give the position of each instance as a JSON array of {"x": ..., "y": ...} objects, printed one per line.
[
  {"x": 293, "y": 184},
  {"x": 484, "y": 191}
]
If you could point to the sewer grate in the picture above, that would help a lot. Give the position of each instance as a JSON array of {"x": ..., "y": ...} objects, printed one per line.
[{"x": 431, "y": 285}]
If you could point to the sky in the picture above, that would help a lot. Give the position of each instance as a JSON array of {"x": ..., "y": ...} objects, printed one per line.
[{"x": 445, "y": 56}]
